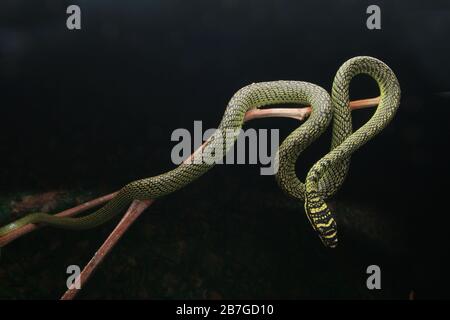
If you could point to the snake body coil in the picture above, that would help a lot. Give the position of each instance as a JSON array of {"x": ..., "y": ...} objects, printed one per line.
[{"x": 322, "y": 181}]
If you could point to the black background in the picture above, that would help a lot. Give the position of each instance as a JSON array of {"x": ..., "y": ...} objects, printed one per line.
[{"x": 96, "y": 108}]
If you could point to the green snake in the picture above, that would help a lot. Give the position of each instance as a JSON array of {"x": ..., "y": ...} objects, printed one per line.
[{"x": 323, "y": 179}]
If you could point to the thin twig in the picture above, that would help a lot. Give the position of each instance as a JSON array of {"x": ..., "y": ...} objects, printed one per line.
[
  {"x": 133, "y": 212},
  {"x": 302, "y": 113},
  {"x": 66, "y": 213}
]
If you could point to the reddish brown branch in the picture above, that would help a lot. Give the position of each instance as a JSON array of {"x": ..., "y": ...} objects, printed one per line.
[
  {"x": 295, "y": 113},
  {"x": 135, "y": 210},
  {"x": 302, "y": 113},
  {"x": 137, "y": 207},
  {"x": 66, "y": 213}
]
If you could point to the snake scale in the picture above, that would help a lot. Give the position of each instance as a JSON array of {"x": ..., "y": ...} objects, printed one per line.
[{"x": 323, "y": 179}]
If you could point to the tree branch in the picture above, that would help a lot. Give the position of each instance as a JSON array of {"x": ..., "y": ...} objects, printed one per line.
[
  {"x": 133, "y": 212},
  {"x": 137, "y": 207},
  {"x": 66, "y": 213}
]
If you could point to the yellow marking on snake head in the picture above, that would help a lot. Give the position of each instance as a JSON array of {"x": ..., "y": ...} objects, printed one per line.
[
  {"x": 331, "y": 235},
  {"x": 325, "y": 225}
]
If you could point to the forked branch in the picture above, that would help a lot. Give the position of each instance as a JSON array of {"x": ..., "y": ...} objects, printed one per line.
[{"x": 137, "y": 207}]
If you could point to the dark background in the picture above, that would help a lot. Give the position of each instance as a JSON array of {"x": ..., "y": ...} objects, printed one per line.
[{"x": 95, "y": 109}]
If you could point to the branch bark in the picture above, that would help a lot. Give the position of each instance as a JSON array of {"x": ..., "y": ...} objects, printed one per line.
[
  {"x": 133, "y": 212},
  {"x": 137, "y": 207},
  {"x": 66, "y": 213}
]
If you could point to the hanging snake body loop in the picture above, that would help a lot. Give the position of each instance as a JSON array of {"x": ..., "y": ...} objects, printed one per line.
[
  {"x": 322, "y": 181},
  {"x": 344, "y": 145}
]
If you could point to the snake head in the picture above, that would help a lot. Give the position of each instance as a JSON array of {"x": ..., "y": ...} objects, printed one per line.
[{"x": 322, "y": 220}]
